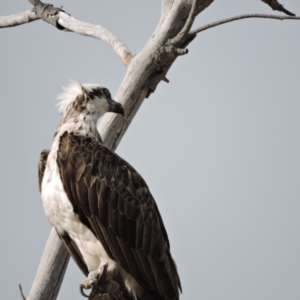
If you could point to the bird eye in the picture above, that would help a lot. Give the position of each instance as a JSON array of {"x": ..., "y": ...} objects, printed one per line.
[{"x": 106, "y": 92}]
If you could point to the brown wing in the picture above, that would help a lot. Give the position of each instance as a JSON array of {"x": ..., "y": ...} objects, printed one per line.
[
  {"x": 74, "y": 252},
  {"x": 113, "y": 200},
  {"x": 69, "y": 244},
  {"x": 42, "y": 165}
]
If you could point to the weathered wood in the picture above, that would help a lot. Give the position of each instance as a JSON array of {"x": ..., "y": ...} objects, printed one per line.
[
  {"x": 51, "y": 270},
  {"x": 18, "y": 19}
]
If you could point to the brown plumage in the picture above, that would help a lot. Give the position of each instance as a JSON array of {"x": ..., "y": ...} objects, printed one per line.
[{"x": 114, "y": 202}]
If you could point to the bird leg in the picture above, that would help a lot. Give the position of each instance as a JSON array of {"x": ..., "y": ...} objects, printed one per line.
[{"x": 93, "y": 280}]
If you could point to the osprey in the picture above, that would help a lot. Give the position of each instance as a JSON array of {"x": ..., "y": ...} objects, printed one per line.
[{"x": 101, "y": 207}]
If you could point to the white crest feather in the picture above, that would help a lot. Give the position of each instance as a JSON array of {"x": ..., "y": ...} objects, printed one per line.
[
  {"x": 71, "y": 92},
  {"x": 68, "y": 96}
]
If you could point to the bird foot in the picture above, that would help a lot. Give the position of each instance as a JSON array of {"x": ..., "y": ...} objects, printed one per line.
[{"x": 93, "y": 280}]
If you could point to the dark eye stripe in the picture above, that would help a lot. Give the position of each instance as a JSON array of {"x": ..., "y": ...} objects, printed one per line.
[
  {"x": 96, "y": 92},
  {"x": 99, "y": 92}
]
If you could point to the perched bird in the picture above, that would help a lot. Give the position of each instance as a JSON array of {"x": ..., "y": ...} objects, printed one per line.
[{"x": 101, "y": 207}]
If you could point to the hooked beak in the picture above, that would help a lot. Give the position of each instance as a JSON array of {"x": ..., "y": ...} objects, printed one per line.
[{"x": 116, "y": 107}]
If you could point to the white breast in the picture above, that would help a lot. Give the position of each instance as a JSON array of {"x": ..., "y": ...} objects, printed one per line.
[{"x": 59, "y": 212}]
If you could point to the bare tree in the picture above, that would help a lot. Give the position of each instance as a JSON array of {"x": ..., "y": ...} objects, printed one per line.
[{"x": 145, "y": 70}]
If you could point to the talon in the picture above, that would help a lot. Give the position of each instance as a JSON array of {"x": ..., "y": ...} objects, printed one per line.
[
  {"x": 93, "y": 279},
  {"x": 81, "y": 289}
]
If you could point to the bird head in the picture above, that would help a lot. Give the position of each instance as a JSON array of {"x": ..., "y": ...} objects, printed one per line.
[{"x": 87, "y": 99}]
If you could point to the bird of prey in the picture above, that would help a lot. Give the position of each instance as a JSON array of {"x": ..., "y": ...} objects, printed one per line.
[{"x": 101, "y": 207}]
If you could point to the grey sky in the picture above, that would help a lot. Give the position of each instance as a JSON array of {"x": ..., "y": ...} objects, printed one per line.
[{"x": 218, "y": 146}]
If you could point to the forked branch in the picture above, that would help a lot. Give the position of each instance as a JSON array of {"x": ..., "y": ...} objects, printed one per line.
[
  {"x": 63, "y": 21},
  {"x": 187, "y": 26}
]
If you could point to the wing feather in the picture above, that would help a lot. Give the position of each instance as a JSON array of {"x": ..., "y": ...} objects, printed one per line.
[
  {"x": 74, "y": 252},
  {"x": 42, "y": 165},
  {"x": 116, "y": 204}
]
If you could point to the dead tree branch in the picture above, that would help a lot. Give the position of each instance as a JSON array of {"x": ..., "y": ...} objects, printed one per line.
[
  {"x": 63, "y": 21},
  {"x": 98, "y": 32},
  {"x": 241, "y": 17},
  {"x": 187, "y": 26},
  {"x": 18, "y": 19},
  {"x": 51, "y": 270},
  {"x": 21, "y": 292}
]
